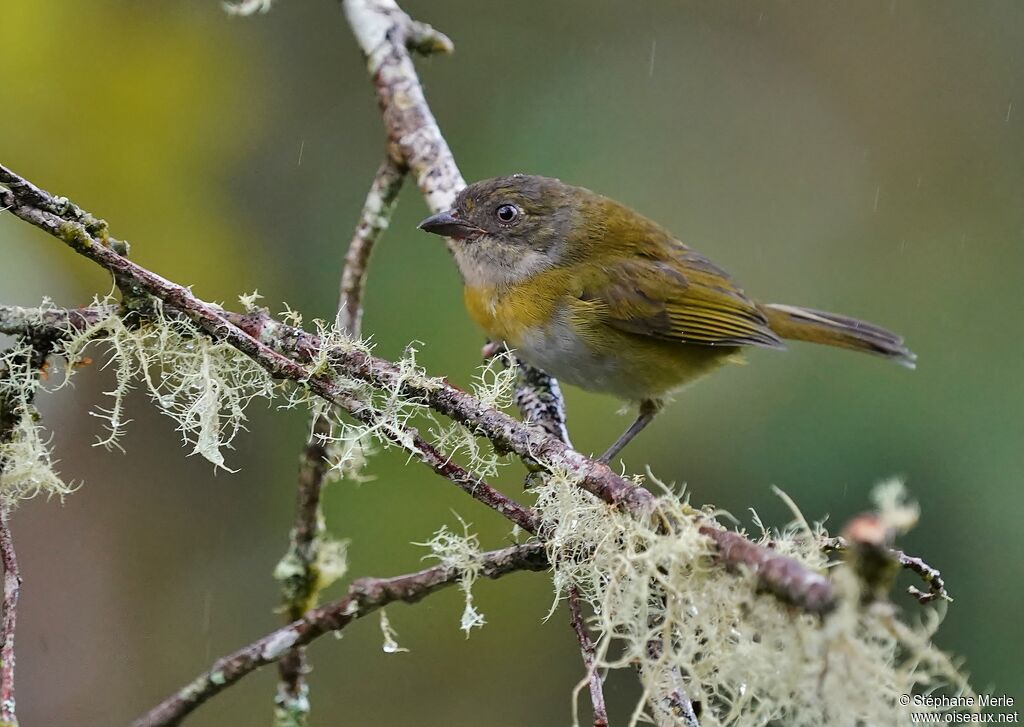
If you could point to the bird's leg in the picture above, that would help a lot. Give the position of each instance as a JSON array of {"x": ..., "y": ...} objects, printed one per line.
[{"x": 648, "y": 408}]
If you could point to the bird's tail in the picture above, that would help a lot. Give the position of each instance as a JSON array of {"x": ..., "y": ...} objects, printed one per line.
[{"x": 804, "y": 324}]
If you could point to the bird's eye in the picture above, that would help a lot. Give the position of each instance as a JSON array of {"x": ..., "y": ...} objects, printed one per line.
[{"x": 507, "y": 213}]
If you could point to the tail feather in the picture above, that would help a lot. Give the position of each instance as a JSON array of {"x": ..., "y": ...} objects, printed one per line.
[{"x": 830, "y": 329}]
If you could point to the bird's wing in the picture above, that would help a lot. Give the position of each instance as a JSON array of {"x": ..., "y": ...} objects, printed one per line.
[{"x": 683, "y": 297}]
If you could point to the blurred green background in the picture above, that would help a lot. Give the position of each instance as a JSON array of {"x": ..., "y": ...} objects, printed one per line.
[{"x": 861, "y": 157}]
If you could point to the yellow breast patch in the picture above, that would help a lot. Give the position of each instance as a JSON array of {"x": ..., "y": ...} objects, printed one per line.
[{"x": 506, "y": 312}]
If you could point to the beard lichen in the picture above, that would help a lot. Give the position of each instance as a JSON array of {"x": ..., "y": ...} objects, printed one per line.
[
  {"x": 461, "y": 554},
  {"x": 663, "y": 605},
  {"x": 203, "y": 385},
  {"x": 494, "y": 386},
  {"x": 26, "y": 463}
]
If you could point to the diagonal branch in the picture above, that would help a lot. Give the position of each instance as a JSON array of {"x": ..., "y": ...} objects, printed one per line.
[
  {"x": 212, "y": 320},
  {"x": 364, "y": 596},
  {"x": 384, "y": 33}
]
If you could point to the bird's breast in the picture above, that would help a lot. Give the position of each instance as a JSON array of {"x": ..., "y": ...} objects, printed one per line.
[{"x": 510, "y": 312}]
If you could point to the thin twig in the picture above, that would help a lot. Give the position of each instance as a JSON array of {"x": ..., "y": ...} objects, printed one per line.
[
  {"x": 540, "y": 402},
  {"x": 11, "y": 586},
  {"x": 41, "y": 344},
  {"x": 674, "y": 707},
  {"x": 48, "y": 322},
  {"x": 373, "y": 220},
  {"x": 385, "y": 34},
  {"x": 8, "y": 619},
  {"x": 539, "y": 399},
  {"x": 300, "y": 576},
  {"x": 300, "y": 573},
  {"x": 364, "y": 596},
  {"x": 931, "y": 575},
  {"x": 587, "y": 650}
]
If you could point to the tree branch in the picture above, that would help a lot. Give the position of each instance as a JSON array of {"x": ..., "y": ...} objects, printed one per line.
[
  {"x": 212, "y": 320},
  {"x": 931, "y": 575},
  {"x": 8, "y": 620},
  {"x": 384, "y": 33},
  {"x": 373, "y": 220},
  {"x": 364, "y": 596},
  {"x": 587, "y": 650}
]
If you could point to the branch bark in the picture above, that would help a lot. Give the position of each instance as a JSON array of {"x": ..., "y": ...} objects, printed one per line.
[
  {"x": 8, "y": 621},
  {"x": 587, "y": 650},
  {"x": 373, "y": 220},
  {"x": 385, "y": 33},
  {"x": 364, "y": 596}
]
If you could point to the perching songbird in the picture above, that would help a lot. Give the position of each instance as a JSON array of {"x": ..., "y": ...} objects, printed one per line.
[{"x": 601, "y": 297}]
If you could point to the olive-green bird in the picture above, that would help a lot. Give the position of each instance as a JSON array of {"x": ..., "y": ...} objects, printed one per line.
[{"x": 601, "y": 297}]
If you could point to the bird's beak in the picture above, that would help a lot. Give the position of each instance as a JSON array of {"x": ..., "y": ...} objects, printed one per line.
[{"x": 447, "y": 224}]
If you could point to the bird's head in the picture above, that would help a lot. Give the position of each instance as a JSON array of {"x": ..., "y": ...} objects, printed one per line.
[{"x": 507, "y": 229}]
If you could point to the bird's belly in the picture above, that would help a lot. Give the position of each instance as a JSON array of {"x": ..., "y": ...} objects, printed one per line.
[{"x": 624, "y": 365}]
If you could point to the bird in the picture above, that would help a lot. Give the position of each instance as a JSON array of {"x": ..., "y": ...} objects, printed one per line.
[{"x": 601, "y": 297}]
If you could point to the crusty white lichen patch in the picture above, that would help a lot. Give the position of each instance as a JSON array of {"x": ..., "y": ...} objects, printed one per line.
[{"x": 663, "y": 605}]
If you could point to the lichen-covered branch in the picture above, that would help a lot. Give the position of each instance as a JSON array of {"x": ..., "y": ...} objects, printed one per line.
[
  {"x": 786, "y": 578},
  {"x": 778, "y": 574},
  {"x": 364, "y": 596},
  {"x": 8, "y": 620},
  {"x": 282, "y": 350},
  {"x": 45, "y": 322},
  {"x": 299, "y": 574},
  {"x": 385, "y": 33},
  {"x": 539, "y": 400},
  {"x": 212, "y": 321},
  {"x": 929, "y": 574}
]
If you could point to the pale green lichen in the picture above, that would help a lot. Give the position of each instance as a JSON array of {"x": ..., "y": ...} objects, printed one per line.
[
  {"x": 75, "y": 235},
  {"x": 461, "y": 554},
  {"x": 746, "y": 657},
  {"x": 249, "y": 301},
  {"x": 26, "y": 463},
  {"x": 495, "y": 387},
  {"x": 203, "y": 385},
  {"x": 898, "y": 514},
  {"x": 331, "y": 561}
]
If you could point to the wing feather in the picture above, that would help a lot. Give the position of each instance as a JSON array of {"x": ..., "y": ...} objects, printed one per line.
[{"x": 687, "y": 299}]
